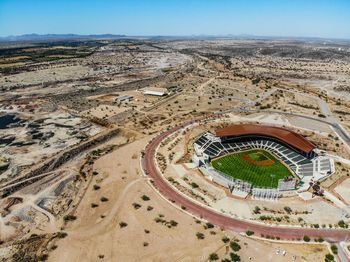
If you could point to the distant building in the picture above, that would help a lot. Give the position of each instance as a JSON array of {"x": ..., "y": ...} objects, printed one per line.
[
  {"x": 125, "y": 98},
  {"x": 155, "y": 91}
]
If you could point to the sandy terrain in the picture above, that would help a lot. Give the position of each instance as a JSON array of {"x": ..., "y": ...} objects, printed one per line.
[
  {"x": 343, "y": 190},
  {"x": 77, "y": 95},
  {"x": 104, "y": 111},
  {"x": 46, "y": 75},
  {"x": 90, "y": 235}
]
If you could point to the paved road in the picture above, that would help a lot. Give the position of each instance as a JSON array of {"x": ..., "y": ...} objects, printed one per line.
[
  {"x": 338, "y": 128},
  {"x": 329, "y": 121},
  {"x": 343, "y": 257},
  {"x": 220, "y": 219}
]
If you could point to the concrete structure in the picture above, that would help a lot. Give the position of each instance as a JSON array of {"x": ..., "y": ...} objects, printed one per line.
[
  {"x": 282, "y": 135},
  {"x": 288, "y": 183},
  {"x": 155, "y": 91},
  {"x": 125, "y": 98},
  {"x": 292, "y": 149}
]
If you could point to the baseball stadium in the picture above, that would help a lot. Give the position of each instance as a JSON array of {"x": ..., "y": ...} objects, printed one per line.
[{"x": 260, "y": 159}]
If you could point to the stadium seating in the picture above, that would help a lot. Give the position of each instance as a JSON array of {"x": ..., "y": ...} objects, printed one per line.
[{"x": 211, "y": 146}]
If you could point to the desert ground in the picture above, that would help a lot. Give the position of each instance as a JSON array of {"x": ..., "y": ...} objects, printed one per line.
[{"x": 71, "y": 181}]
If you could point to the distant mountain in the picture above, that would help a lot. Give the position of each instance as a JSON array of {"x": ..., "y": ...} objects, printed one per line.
[
  {"x": 60, "y": 37},
  {"x": 54, "y": 37}
]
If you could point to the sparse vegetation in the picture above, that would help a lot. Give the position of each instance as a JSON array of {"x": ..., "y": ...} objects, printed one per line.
[
  {"x": 145, "y": 198},
  {"x": 306, "y": 238},
  {"x": 249, "y": 233},
  {"x": 122, "y": 224},
  {"x": 104, "y": 199},
  {"x": 69, "y": 218},
  {"x": 213, "y": 257},
  {"x": 200, "y": 235},
  {"x": 334, "y": 249},
  {"x": 235, "y": 246}
]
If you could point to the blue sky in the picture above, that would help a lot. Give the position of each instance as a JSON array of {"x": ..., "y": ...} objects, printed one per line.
[{"x": 313, "y": 18}]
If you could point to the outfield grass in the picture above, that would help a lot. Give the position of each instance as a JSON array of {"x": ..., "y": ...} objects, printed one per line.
[{"x": 258, "y": 175}]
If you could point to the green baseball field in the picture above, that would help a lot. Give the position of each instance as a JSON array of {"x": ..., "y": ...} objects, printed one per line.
[{"x": 258, "y": 167}]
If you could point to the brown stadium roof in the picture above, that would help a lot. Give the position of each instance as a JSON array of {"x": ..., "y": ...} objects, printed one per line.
[{"x": 283, "y": 134}]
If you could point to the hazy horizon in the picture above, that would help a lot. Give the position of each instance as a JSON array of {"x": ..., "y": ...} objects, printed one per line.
[{"x": 272, "y": 18}]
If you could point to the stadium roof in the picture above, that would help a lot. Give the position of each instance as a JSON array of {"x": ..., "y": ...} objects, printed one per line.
[
  {"x": 155, "y": 91},
  {"x": 282, "y": 134}
]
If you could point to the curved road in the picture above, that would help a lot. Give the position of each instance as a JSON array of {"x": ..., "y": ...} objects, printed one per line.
[{"x": 219, "y": 219}]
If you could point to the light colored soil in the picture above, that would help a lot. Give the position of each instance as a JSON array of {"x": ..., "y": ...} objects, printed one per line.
[
  {"x": 90, "y": 235},
  {"x": 343, "y": 189},
  {"x": 266, "y": 251},
  {"x": 104, "y": 111},
  {"x": 38, "y": 77}
]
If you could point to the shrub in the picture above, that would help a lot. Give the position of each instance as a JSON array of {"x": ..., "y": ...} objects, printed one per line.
[
  {"x": 213, "y": 257},
  {"x": 145, "y": 198},
  {"x": 288, "y": 210},
  {"x": 159, "y": 220},
  {"x": 329, "y": 258},
  {"x": 342, "y": 224},
  {"x": 104, "y": 199},
  {"x": 194, "y": 185},
  {"x": 123, "y": 224},
  {"x": 249, "y": 233},
  {"x": 320, "y": 239},
  {"x": 43, "y": 257},
  {"x": 235, "y": 246},
  {"x": 209, "y": 225},
  {"x": 149, "y": 208},
  {"x": 200, "y": 235},
  {"x": 136, "y": 205},
  {"x": 334, "y": 249},
  {"x": 93, "y": 205},
  {"x": 234, "y": 257},
  {"x": 69, "y": 218},
  {"x": 96, "y": 187},
  {"x": 257, "y": 210},
  {"x": 306, "y": 238},
  {"x": 225, "y": 239},
  {"x": 61, "y": 234},
  {"x": 173, "y": 223}
]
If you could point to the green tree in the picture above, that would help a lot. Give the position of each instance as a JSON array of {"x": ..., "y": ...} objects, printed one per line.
[
  {"x": 306, "y": 238},
  {"x": 249, "y": 233},
  {"x": 235, "y": 246},
  {"x": 334, "y": 249},
  {"x": 213, "y": 257},
  {"x": 234, "y": 257}
]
